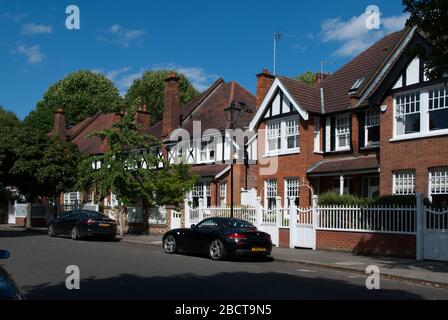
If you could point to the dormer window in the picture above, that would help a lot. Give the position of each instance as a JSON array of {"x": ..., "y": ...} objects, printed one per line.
[{"x": 356, "y": 86}]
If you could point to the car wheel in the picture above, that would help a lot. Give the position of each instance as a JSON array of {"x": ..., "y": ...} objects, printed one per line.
[
  {"x": 169, "y": 244},
  {"x": 75, "y": 234},
  {"x": 217, "y": 250},
  {"x": 51, "y": 232}
]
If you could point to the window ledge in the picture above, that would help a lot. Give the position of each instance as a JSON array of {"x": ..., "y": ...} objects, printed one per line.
[
  {"x": 415, "y": 136},
  {"x": 282, "y": 153}
]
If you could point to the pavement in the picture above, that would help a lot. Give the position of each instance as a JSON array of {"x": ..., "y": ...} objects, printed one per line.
[
  {"x": 125, "y": 270},
  {"x": 429, "y": 273}
]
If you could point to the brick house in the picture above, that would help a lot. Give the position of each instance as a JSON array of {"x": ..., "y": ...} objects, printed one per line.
[
  {"x": 377, "y": 126},
  {"x": 207, "y": 150}
]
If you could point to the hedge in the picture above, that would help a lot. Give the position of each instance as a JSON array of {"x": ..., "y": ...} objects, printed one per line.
[{"x": 332, "y": 198}]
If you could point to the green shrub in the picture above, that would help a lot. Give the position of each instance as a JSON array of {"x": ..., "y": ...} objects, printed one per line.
[{"x": 332, "y": 198}]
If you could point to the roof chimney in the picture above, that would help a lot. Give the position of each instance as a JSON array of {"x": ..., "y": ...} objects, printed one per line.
[
  {"x": 171, "y": 105},
  {"x": 59, "y": 128},
  {"x": 320, "y": 77},
  {"x": 144, "y": 118},
  {"x": 264, "y": 82}
]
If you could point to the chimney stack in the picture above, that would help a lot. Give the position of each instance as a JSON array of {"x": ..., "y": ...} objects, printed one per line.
[
  {"x": 59, "y": 128},
  {"x": 320, "y": 77},
  {"x": 171, "y": 105},
  {"x": 144, "y": 118},
  {"x": 264, "y": 82}
]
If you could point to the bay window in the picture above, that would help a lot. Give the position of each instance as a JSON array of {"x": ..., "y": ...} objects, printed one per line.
[
  {"x": 222, "y": 194},
  {"x": 274, "y": 137},
  {"x": 342, "y": 132},
  {"x": 292, "y": 135},
  {"x": 404, "y": 182},
  {"x": 372, "y": 127},
  {"x": 283, "y": 136},
  {"x": 407, "y": 113},
  {"x": 438, "y": 109}
]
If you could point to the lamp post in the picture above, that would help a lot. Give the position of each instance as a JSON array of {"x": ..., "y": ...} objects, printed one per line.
[{"x": 232, "y": 114}]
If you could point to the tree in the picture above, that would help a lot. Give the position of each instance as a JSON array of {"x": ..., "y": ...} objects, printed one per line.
[
  {"x": 149, "y": 90},
  {"x": 133, "y": 176},
  {"x": 431, "y": 17},
  {"x": 8, "y": 128},
  {"x": 44, "y": 167},
  {"x": 81, "y": 94},
  {"x": 308, "y": 78}
]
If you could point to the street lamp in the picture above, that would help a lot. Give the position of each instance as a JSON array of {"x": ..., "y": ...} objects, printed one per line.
[{"x": 232, "y": 114}]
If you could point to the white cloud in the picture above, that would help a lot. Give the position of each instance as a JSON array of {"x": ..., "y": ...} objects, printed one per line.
[
  {"x": 16, "y": 17},
  {"x": 33, "y": 54},
  {"x": 31, "y": 29},
  {"x": 116, "y": 34},
  {"x": 198, "y": 77},
  {"x": 125, "y": 76},
  {"x": 353, "y": 35}
]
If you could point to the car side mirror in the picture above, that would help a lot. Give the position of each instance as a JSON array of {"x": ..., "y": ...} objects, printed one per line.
[
  {"x": 193, "y": 226},
  {"x": 4, "y": 254}
]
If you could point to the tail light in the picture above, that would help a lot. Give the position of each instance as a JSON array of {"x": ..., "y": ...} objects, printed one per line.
[
  {"x": 88, "y": 221},
  {"x": 236, "y": 236}
]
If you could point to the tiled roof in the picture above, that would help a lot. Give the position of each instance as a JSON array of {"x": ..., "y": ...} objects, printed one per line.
[
  {"x": 336, "y": 86},
  {"x": 208, "y": 108},
  {"x": 209, "y": 170},
  {"x": 347, "y": 164},
  {"x": 364, "y": 66},
  {"x": 91, "y": 145},
  {"x": 307, "y": 97}
]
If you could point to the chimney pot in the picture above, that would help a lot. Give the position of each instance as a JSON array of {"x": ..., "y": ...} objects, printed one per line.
[{"x": 264, "y": 83}]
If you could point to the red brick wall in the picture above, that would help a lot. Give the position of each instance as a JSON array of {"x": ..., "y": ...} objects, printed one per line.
[
  {"x": 381, "y": 244},
  {"x": 289, "y": 166},
  {"x": 35, "y": 222},
  {"x": 417, "y": 154},
  {"x": 283, "y": 235}
]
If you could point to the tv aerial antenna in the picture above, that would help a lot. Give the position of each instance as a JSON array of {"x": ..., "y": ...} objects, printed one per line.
[{"x": 277, "y": 37}]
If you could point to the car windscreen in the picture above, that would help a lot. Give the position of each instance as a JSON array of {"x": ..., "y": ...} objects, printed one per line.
[{"x": 238, "y": 224}]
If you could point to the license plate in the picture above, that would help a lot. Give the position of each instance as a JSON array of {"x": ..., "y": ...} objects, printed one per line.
[
  {"x": 258, "y": 249},
  {"x": 104, "y": 225}
]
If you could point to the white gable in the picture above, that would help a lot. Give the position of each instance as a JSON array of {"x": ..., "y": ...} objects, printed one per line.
[
  {"x": 399, "y": 83},
  {"x": 413, "y": 72},
  {"x": 289, "y": 104}
]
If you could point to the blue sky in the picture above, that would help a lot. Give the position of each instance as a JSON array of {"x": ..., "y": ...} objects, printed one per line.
[{"x": 232, "y": 39}]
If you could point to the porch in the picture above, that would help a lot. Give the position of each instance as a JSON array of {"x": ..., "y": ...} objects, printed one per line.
[{"x": 357, "y": 176}]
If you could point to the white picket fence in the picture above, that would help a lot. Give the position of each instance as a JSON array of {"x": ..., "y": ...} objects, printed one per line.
[{"x": 383, "y": 219}]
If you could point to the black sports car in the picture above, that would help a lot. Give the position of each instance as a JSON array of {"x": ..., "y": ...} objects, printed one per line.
[
  {"x": 83, "y": 223},
  {"x": 219, "y": 238}
]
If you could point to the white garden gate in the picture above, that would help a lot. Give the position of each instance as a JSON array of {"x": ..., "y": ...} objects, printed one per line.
[
  {"x": 435, "y": 234},
  {"x": 304, "y": 228},
  {"x": 175, "y": 220}
]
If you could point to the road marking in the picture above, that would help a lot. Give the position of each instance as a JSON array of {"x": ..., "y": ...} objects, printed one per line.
[{"x": 306, "y": 270}]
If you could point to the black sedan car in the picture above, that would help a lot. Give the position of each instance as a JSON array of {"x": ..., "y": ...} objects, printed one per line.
[
  {"x": 8, "y": 288},
  {"x": 82, "y": 223},
  {"x": 219, "y": 238}
]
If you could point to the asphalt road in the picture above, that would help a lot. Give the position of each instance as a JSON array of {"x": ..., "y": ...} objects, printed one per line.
[{"x": 119, "y": 270}]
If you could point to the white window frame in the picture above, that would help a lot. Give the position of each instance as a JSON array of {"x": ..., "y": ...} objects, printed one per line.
[
  {"x": 282, "y": 134},
  {"x": 438, "y": 181},
  {"x": 292, "y": 129},
  {"x": 442, "y": 102},
  {"x": 270, "y": 192},
  {"x": 203, "y": 191},
  {"x": 292, "y": 189},
  {"x": 424, "y": 116},
  {"x": 206, "y": 147},
  {"x": 223, "y": 194},
  {"x": 372, "y": 120},
  {"x": 403, "y": 183},
  {"x": 317, "y": 135},
  {"x": 345, "y": 131},
  {"x": 70, "y": 198}
]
